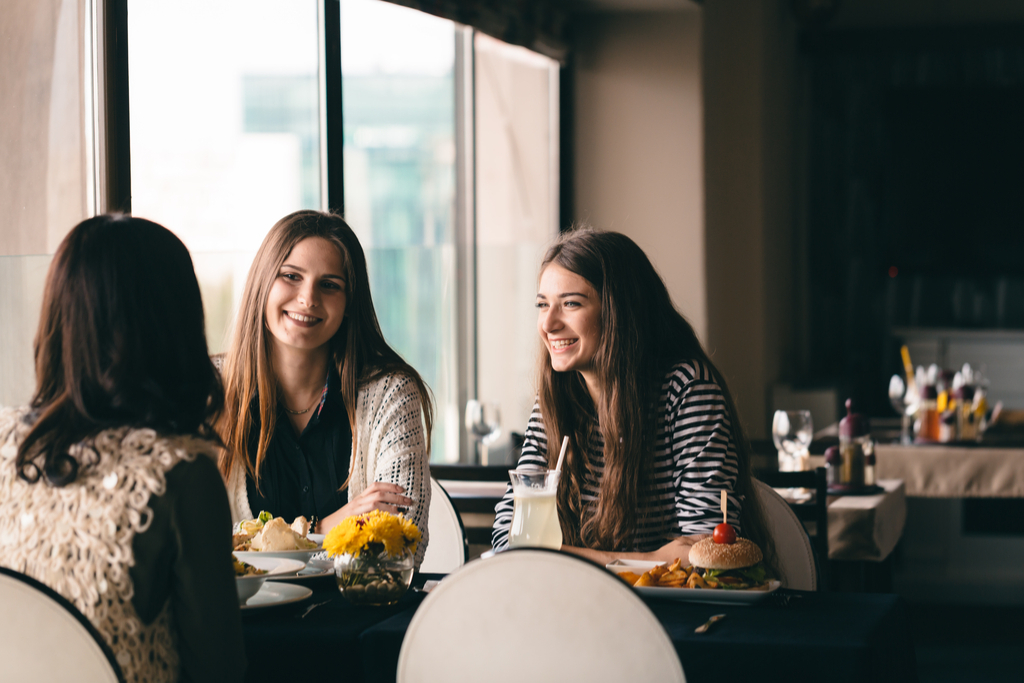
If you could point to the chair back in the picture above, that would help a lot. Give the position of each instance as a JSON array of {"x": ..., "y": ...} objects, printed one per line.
[
  {"x": 792, "y": 545},
  {"x": 535, "y": 615},
  {"x": 447, "y": 549},
  {"x": 43, "y": 637}
]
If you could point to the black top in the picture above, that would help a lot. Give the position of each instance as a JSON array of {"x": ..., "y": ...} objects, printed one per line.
[
  {"x": 303, "y": 473},
  {"x": 184, "y": 557}
]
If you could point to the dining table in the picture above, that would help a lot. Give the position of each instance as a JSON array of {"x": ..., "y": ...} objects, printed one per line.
[
  {"x": 954, "y": 470},
  {"x": 795, "y": 635}
]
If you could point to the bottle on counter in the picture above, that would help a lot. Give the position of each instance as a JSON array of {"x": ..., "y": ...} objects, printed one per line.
[
  {"x": 926, "y": 427},
  {"x": 869, "y": 468},
  {"x": 855, "y": 444},
  {"x": 947, "y": 425},
  {"x": 966, "y": 426},
  {"x": 833, "y": 462}
]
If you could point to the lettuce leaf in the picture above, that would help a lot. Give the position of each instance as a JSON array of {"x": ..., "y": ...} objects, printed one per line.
[
  {"x": 757, "y": 573},
  {"x": 754, "y": 575}
]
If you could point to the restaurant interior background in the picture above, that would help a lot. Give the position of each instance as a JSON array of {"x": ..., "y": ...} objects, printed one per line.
[{"x": 818, "y": 182}]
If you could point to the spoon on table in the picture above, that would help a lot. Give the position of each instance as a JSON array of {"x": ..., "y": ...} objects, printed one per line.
[{"x": 703, "y": 628}]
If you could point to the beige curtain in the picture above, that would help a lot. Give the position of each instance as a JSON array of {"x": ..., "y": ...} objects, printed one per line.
[
  {"x": 42, "y": 159},
  {"x": 42, "y": 166}
]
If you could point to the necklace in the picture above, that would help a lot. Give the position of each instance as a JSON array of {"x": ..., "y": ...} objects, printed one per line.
[{"x": 299, "y": 412}]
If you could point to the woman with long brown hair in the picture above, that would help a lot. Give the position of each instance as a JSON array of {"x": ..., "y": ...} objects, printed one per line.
[
  {"x": 109, "y": 490},
  {"x": 322, "y": 418},
  {"x": 653, "y": 433}
]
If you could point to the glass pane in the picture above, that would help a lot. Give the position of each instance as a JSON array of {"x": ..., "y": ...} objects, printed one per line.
[
  {"x": 517, "y": 217},
  {"x": 225, "y": 133},
  {"x": 21, "y": 281},
  {"x": 398, "y": 99}
]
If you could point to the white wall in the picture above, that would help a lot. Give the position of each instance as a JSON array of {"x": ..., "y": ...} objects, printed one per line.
[
  {"x": 684, "y": 141},
  {"x": 750, "y": 90},
  {"x": 639, "y": 154}
]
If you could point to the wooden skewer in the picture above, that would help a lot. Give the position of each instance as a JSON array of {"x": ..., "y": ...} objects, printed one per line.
[{"x": 725, "y": 507}]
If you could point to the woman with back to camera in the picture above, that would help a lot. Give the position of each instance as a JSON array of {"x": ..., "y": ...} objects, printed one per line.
[
  {"x": 109, "y": 490},
  {"x": 323, "y": 419},
  {"x": 653, "y": 433}
]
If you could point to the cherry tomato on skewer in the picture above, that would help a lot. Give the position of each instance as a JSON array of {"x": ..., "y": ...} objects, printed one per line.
[{"x": 724, "y": 533}]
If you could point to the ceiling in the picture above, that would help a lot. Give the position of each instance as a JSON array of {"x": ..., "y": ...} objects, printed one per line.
[{"x": 596, "y": 6}]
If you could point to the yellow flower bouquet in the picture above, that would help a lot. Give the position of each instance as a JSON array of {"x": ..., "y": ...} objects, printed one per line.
[{"x": 373, "y": 556}]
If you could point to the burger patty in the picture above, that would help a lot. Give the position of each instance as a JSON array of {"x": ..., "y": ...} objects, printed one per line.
[{"x": 738, "y": 579}]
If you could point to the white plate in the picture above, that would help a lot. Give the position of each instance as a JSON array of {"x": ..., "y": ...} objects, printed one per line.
[
  {"x": 272, "y": 594},
  {"x": 637, "y": 566},
  {"x": 715, "y": 596},
  {"x": 274, "y": 566},
  {"x": 321, "y": 563},
  {"x": 302, "y": 555},
  {"x": 309, "y": 572},
  {"x": 248, "y": 586}
]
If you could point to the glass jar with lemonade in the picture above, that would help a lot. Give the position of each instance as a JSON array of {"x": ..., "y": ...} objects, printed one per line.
[{"x": 535, "y": 515}]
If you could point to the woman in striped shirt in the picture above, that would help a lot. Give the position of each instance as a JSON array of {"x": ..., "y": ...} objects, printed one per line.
[{"x": 653, "y": 433}]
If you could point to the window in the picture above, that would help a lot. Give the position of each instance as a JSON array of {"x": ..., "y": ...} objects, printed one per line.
[
  {"x": 449, "y": 161},
  {"x": 516, "y": 98},
  {"x": 224, "y": 130},
  {"x": 398, "y": 95}
]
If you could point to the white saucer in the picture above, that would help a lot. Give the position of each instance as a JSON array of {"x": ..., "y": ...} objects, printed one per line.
[
  {"x": 272, "y": 594},
  {"x": 309, "y": 572}
]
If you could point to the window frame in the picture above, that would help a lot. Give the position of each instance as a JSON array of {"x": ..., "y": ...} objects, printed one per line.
[{"x": 107, "y": 93}]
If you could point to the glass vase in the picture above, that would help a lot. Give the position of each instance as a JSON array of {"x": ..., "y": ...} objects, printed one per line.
[{"x": 373, "y": 579}]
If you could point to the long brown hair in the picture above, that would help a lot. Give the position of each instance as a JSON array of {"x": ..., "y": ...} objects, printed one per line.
[
  {"x": 359, "y": 352},
  {"x": 642, "y": 337},
  {"x": 121, "y": 342}
]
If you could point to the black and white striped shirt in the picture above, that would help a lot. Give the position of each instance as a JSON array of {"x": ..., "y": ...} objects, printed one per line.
[{"x": 695, "y": 459}]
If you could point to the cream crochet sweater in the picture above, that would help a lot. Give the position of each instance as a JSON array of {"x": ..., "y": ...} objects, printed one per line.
[
  {"x": 77, "y": 539},
  {"x": 391, "y": 448}
]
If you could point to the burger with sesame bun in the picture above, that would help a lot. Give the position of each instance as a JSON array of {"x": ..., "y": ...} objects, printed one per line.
[{"x": 735, "y": 565}]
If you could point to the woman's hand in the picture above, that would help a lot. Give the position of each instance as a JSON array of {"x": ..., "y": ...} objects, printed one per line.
[
  {"x": 676, "y": 548},
  {"x": 378, "y": 496}
]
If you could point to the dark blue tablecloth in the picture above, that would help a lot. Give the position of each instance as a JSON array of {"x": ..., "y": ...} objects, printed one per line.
[
  {"x": 816, "y": 636},
  {"x": 321, "y": 644}
]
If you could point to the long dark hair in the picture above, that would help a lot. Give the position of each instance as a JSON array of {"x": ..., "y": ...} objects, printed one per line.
[
  {"x": 642, "y": 337},
  {"x": 121, "y": 342},
  {"x": 358, "y": 349}
]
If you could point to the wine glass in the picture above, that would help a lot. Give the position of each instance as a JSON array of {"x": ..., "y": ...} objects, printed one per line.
[
  {"x": 483, "y": 422},
  {"x": 904, "y": 400},
  {"x": 792, "y": 431}
]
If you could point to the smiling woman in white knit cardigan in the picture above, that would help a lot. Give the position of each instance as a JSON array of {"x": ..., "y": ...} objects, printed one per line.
[{"x": 322, "y": 418}]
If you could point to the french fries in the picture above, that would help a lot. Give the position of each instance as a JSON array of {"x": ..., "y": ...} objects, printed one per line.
[
  {"x": 674, "y": 575},
  {"x": 629, "y": 577}
]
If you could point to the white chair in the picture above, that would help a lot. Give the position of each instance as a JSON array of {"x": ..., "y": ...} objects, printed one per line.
[
  {"x": 447, "y": 549},
  {"x": 535, "y": 615},
  {"x": 43, "y": 637},
  {"x": 792, "y": 545}
]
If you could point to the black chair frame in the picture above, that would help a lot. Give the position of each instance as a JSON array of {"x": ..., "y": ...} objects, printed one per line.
[{"x": 815, "y": 510}]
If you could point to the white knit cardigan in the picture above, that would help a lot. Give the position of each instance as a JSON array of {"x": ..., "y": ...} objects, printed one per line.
[
  {"x": 391, "y": 447},
  {"x": 77, "y": 539}
]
